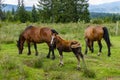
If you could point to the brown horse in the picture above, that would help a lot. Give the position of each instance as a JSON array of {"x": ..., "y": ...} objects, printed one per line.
[
  {"x": 68, "y": 46},
  {"x": 37, "y": 35},
  {"x": 96, "y": 33}
]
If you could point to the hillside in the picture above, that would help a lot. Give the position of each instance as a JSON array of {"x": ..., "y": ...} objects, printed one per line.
[
  {"x": 9, "y": 7},
  {"x": 113, "y": 7}
]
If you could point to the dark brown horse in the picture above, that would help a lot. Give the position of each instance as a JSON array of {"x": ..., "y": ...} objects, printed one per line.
[
  {"x": 96, "y": 33},
  {"x": 68, "y": 46},
  {"x": 37, "y": 35}
]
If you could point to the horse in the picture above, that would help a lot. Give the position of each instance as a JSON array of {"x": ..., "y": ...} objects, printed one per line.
[
  {"x": 68, "y": 46},
  {"x": 36, "y": 35},
  {"x": 96, "y": 33}
]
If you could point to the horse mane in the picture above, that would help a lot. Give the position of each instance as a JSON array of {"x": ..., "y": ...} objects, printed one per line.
[
  {"x": 60, "y": 38},
  {"x": 28, "y": 27},
  {"x": 54, "y": 31}
]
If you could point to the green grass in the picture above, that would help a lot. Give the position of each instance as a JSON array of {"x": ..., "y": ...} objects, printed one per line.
[{"x": 23, "y": 67}]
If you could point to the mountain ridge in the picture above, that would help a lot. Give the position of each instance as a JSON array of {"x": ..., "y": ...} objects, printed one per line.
[
  {"x": 113, "y": 7},
  {"x": 9, "y": 7}
]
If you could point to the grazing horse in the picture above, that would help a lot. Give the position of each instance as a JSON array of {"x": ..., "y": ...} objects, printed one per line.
[
  {"x": 96, "y": 33},
  {"x": 37, "y": 35},
  {"x": 68, "y": 46}
]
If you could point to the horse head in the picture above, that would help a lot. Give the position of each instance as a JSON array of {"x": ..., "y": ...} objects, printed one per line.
[{"x": 20, "y": 47}]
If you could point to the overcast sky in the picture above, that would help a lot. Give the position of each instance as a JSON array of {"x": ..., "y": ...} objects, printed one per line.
[{"x": 31, "y": 2}]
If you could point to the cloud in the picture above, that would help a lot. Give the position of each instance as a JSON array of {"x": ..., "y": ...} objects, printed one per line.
[
  {"x": 101, "y": 1},
  {"x": 31, "y": 2},
  {"x": 26, "y": 2}
]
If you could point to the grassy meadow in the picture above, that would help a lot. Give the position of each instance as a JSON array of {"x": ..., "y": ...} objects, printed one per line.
[{"x": 23, "y": 67}]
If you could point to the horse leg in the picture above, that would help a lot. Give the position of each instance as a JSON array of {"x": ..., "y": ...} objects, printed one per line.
[
  {"x": 35, "y": 46},
  {"x": 29, "y": 51},
  {"x": 92, "y": 46},
  {"x": 78, "y": 58},
  {"x": 51, "y": 48},
  {"x": 86, "y": 49},
  {"x": 48, "y": 56},
  {"x": 77, "y": 52},
  {"x": 53, "y": 55},
  {"x": 61, "y": 58},
  {"x": 100, "y": 48},
  {"x": 89, "y": 44}
]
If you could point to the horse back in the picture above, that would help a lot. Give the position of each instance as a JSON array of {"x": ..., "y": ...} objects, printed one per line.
[
  {"x": 46, "y": 34},
  {"x": 37, "y": 34},
  {"x": 61, "y": 44},
  {"x": 94, "y": 33}
]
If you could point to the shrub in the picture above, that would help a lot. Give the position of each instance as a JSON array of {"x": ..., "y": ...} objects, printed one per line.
[
  {"x": 58, "y": 76},
  {"x": 52, "y": 66},
  {"x": 35, "y": 62},
  {"x": 97, "y": 21},
  {"x": 89, "y": 73},
  {"x": 38, "y": 62},
  {"x": 11, "y": 69}
]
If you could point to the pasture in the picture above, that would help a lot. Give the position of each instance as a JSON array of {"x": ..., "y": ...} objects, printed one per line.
[{"x": 23, "y": 67}]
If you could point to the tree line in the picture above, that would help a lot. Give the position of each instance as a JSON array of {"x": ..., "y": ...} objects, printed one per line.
[
  {"x": 55, "y": 11},
  {"x": 49, "y": 11},
  {"x": 104, "y": 17}
]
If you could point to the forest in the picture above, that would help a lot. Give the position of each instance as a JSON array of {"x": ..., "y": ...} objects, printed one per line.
[{"x": 56, "y": 11}]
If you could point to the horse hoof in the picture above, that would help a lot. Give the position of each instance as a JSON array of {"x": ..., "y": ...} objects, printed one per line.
[
  {"x": 48, "y": 56},
  {"x": 60, "y": 64},
  {"x": 36, "y": 54},
  {"x": 85, "y": 53},
  {"x": 29, "y": 54},
  {"x": 78, "y": 68},
  {"x": 99, "y": 54},
  {"x": 53, "y": 58},
  {"x": 108, "y": 55}
]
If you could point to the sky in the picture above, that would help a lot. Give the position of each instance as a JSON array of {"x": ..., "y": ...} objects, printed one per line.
[{"x": 31, "y": 2}]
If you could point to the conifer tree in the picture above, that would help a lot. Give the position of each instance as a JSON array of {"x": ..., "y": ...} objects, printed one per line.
[
  {"x": 34, "y": 14},
  {"x": 64, "y": 10}
]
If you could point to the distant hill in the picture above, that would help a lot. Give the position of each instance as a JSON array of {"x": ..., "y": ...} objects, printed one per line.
[
  {"x": 9, "y": 7},
  {"x": 113, "y": 7}
]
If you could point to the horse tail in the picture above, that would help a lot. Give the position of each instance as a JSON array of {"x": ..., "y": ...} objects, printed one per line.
[
  {"x": 54, "y": 31},
  {"x": 106, "y": 36}
]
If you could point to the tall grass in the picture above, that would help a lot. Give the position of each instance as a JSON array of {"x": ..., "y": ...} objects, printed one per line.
[
  {"x": 23, "y": 67},
  {"x": 10, "y": 66},
  {"x": 9, "y": 32}
]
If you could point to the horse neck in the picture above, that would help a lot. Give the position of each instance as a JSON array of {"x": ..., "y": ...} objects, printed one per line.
[{"x": 59, "y": 39}]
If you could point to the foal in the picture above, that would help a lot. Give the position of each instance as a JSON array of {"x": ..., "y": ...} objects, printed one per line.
[
  {"x": 68, "y": 46},
  {"x": 36, "y": 35}
]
